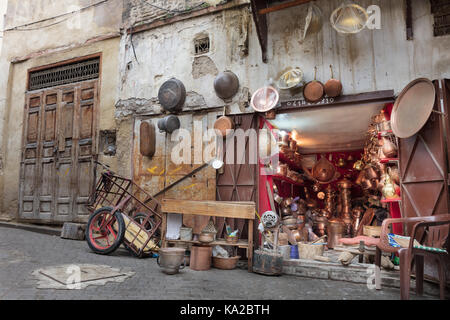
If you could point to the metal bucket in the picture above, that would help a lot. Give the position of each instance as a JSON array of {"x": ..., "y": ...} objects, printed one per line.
[
  {"x": 171, "y": 259},
  {"x": 186, "y": 234}
]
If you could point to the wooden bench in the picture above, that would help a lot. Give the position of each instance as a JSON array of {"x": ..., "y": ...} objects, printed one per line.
[{"x": 225, "y": 209}]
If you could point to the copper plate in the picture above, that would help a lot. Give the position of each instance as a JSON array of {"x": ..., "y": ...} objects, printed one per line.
[{"x": 413, "y": 107}]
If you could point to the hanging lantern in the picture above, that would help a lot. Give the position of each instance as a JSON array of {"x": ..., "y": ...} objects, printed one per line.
[{"x": 349, "y": 18}]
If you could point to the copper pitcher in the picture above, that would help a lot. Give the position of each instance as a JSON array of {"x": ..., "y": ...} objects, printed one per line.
[
  {"x": 389, "y": 149},
  {"x": 389, "y": 189},
  {"x": 395, "y": 175}
]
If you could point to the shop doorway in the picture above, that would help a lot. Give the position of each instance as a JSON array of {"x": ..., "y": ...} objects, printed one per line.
[
  {"x": 239, "y": 179},
  {"x": 57, "y": 171}
]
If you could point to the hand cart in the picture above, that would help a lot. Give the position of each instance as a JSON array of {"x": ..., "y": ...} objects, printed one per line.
[{"x": 122, "y": 212}]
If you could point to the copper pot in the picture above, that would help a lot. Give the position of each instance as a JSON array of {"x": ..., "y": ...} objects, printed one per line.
[
  {"x": 286, "y": 211},
  {"x": 380, "y": 184},
  {"x": 345, "y": 184},
  {"x": 224, "y": 125},
  {"x": 277, "y": 198},
  {"x": 293, "y": 144},
  {"x": 335, "y": 230},
  {"x": 287, "y": 202},
  {"x": 371, "y": 173},
  {"x": 333, "y": 87},
  {"x": 313, "y": 91},
  {"x": 360, "y": 178},
  {"x": 367, "y": 184}
]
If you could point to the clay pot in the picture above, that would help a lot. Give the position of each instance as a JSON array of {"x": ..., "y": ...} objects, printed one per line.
[
  {"x": 170, "y": 260},
  {"x": 200, "y": 258}
]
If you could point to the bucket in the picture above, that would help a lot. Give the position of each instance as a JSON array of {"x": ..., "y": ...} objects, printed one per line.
[
  {"x": 310, "y": 251},
  {"x": 186, "y": 234},
  {"x": 170, "y": 260},
  {"x": 294, "y": 252},
  {"x": 200, "y": 258},
  {"x": 285, "y": 252}
]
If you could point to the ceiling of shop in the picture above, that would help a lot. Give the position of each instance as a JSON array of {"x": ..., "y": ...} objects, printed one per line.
[{"x": 326, "y": 129}]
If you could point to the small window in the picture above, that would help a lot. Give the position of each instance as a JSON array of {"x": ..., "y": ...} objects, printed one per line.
[
  {"x": 441, "y": 12},
  {"x": 202, "y": 45}
]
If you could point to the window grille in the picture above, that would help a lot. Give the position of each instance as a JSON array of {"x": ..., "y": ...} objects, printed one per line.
[
  {"x": 202, "y": 46},
  {"x": 441, "y": 12},
  {"x": 70, "y": 73}
]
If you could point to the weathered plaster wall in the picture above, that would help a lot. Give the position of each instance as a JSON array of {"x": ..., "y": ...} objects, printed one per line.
[
  {"x": 140, "y": 11},
  {"x": 91, "y": 31},
  {"x": 371, "y": 60}
]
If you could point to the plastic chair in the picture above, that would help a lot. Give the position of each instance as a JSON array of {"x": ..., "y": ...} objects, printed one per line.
[{"x": 410, "y": 254}]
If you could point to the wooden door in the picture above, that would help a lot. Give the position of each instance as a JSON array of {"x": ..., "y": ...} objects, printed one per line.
[
  {"x": 58, "y": 152},
  {"x": 424, "y": 172},
  {"x": 239, "y": 180}
]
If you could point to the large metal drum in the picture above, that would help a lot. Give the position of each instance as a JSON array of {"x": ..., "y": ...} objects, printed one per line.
[{"x": 267, "y": 263}]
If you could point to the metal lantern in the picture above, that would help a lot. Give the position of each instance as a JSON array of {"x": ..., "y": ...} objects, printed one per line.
[
  {"x": 349, "y": 18},
  {"x": 269, "y": 219}
]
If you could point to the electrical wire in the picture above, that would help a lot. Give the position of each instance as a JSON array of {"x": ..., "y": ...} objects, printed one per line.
[
  {"x": 19, "y": 28},
  {"x": 175, "y": 10}
]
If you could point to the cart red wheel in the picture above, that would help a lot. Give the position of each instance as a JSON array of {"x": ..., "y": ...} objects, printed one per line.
[{"x": 105, "y": 231}]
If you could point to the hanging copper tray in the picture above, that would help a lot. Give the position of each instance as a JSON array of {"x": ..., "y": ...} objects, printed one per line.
[{"x": 413, "y": 107}]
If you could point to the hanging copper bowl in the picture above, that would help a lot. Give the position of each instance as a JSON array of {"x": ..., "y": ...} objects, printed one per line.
[
  {"x": 226, "y": 85},
  {"x": 324, "y": 171},
  {"x": 172, "y": 95}
]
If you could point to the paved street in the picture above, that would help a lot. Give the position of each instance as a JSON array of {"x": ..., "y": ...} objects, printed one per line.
[{"x": 22, "y": 252}]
